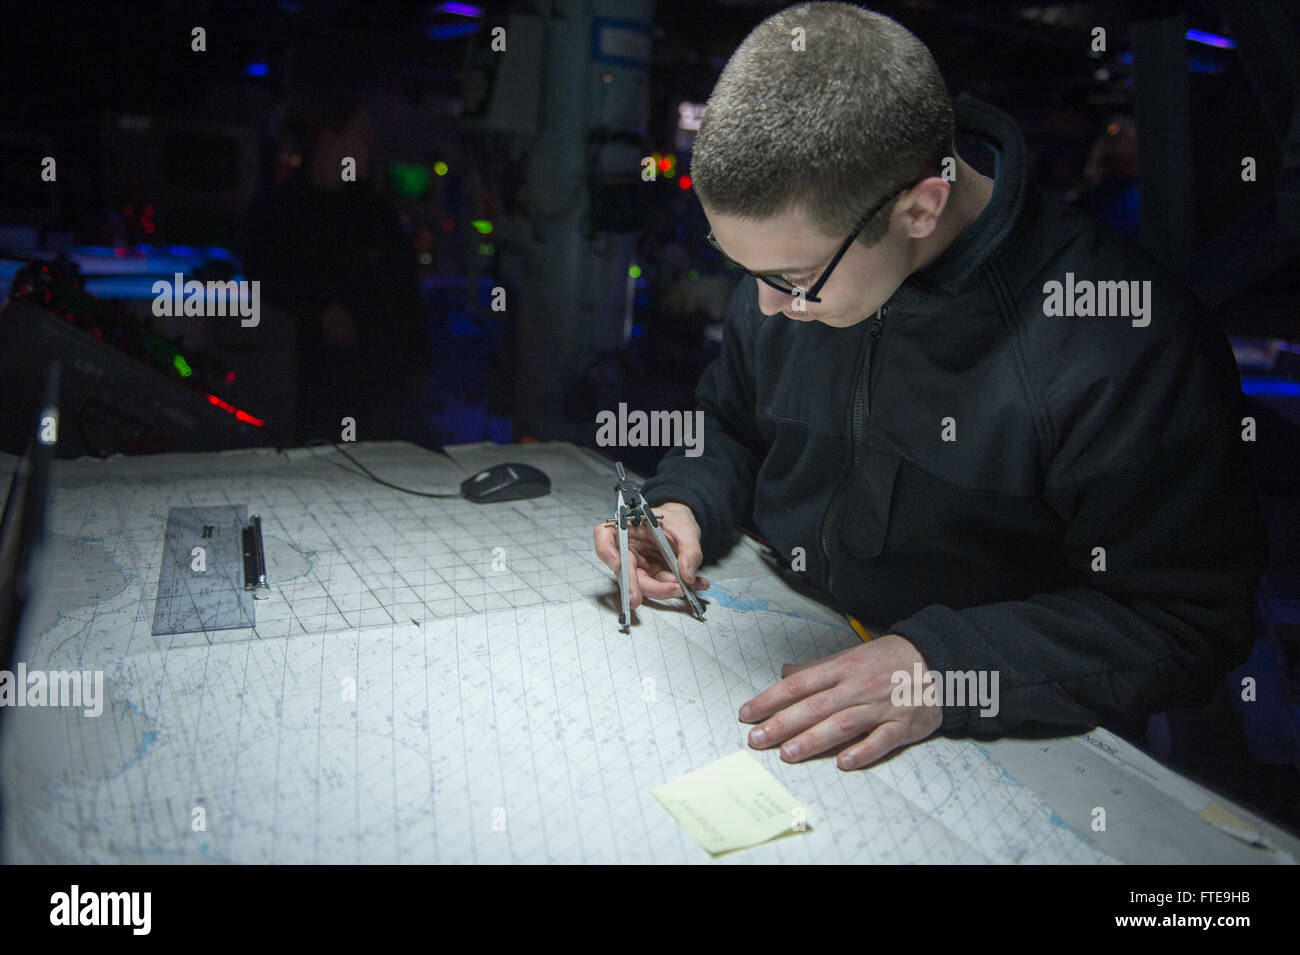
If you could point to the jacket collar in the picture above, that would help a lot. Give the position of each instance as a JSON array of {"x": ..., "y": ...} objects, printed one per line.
[{"x": 932, "y": 287}]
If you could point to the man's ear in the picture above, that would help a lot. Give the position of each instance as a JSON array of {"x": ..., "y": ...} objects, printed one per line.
[{"x": 923, "y": 204}]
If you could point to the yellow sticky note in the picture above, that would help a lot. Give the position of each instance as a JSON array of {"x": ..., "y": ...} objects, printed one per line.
[
  {"x": 731, "y": 804},
  {"x": 1219, "y": 815}
]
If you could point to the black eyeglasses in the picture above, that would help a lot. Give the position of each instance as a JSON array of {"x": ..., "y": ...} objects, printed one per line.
[{"x": 810, "y": 295}]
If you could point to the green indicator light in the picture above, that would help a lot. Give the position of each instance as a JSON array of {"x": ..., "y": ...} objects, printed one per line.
[
  {"x": 634, "y": 271},
  {"x": 440, "y": 168},
  {"x": 181, "y": 365},
  {"x": 484, "y": 227},
  {"x": 407, "y": 181}
]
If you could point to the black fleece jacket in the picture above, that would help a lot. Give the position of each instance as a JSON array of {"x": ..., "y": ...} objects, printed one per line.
[{"x": 1064, "y": 500}]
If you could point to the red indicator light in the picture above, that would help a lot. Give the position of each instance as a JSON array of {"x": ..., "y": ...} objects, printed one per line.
[
  {"x": 247, "y": 418},
  {"x": 243, "y": 416}
]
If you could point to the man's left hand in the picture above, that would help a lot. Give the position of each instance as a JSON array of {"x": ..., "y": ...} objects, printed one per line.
[{"x": 824, "y": 704}]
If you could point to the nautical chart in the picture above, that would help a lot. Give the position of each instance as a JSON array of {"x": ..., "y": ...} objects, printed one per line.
[{"x": 435, "y": 681}]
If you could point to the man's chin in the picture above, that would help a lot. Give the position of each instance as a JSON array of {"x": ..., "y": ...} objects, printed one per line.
[
  {"x": 824, "y": 320},
  {"x": 834, "y": 321},
  {"x": 839, "y": 321}
]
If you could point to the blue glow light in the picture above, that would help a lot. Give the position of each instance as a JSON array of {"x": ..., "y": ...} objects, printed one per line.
[
  {"x": 1211, "y": 39},
  {"x": 257, "y": 69},
  {"x": 461, "y": 9},
  {"x": 450, "y": 31},
  {"x": 1261, "y": 385}
]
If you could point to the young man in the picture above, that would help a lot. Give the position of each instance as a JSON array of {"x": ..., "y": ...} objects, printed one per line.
[{"x": 1003, "y": 438}]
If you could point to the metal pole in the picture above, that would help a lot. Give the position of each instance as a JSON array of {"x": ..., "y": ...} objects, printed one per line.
[{"x": 574, "y": 299}]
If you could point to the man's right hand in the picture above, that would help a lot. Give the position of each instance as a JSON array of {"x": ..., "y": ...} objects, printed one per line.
[{"x": 648, "y": 575}]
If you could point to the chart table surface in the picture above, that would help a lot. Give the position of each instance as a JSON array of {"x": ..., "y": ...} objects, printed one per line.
[{"x": 437, "y": 681}]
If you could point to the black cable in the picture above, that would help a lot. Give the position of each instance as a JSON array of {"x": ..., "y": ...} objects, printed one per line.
[{"x": 396, "y": 487}]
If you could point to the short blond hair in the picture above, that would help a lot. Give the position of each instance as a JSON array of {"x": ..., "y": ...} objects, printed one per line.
[{"x": 833, "y": 128}]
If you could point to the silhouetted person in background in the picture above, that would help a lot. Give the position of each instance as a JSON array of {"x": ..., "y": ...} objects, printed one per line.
[
  {"x": 1112, "y": 172},
  {"x": 332, "y": 253}
]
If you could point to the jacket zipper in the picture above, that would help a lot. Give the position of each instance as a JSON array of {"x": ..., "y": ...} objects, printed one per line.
[{"x": 861, "y": 410}]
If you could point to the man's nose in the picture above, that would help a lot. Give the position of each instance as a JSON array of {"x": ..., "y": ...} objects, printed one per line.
[{"x": 770, "y": 301}]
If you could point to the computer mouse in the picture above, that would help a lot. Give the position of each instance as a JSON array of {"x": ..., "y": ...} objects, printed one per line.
[{"x": 505, "y": 482}]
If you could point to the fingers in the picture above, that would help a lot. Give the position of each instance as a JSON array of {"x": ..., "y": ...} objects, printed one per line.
[
  {"x": 840, "y": 727},
  {"x": 667, "y": 576},
  {"x": 683, "y": 534},
  {"x": 661, "y": 586},
  {"x": 606, "y": 541},
  {"x": 689, "y": 557},
  {"x": 882, "y": 741},
  {"x": 789, "y": 668},
  {"x": 647, "y": 575},
  {"x": 829, "y": 706},
  {"x": 778, "y": 696},
  {"x": 639, "y": 544},
  {"x": 606, "y": 545}
]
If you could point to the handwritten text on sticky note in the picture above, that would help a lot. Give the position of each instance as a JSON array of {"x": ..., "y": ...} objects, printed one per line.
[{"x": 731, "y": 804}]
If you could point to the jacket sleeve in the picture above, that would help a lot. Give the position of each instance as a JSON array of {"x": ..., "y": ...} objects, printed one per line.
[
  {"x": 1150, "y": 471},
  {"x": 718, "y": 484}
]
